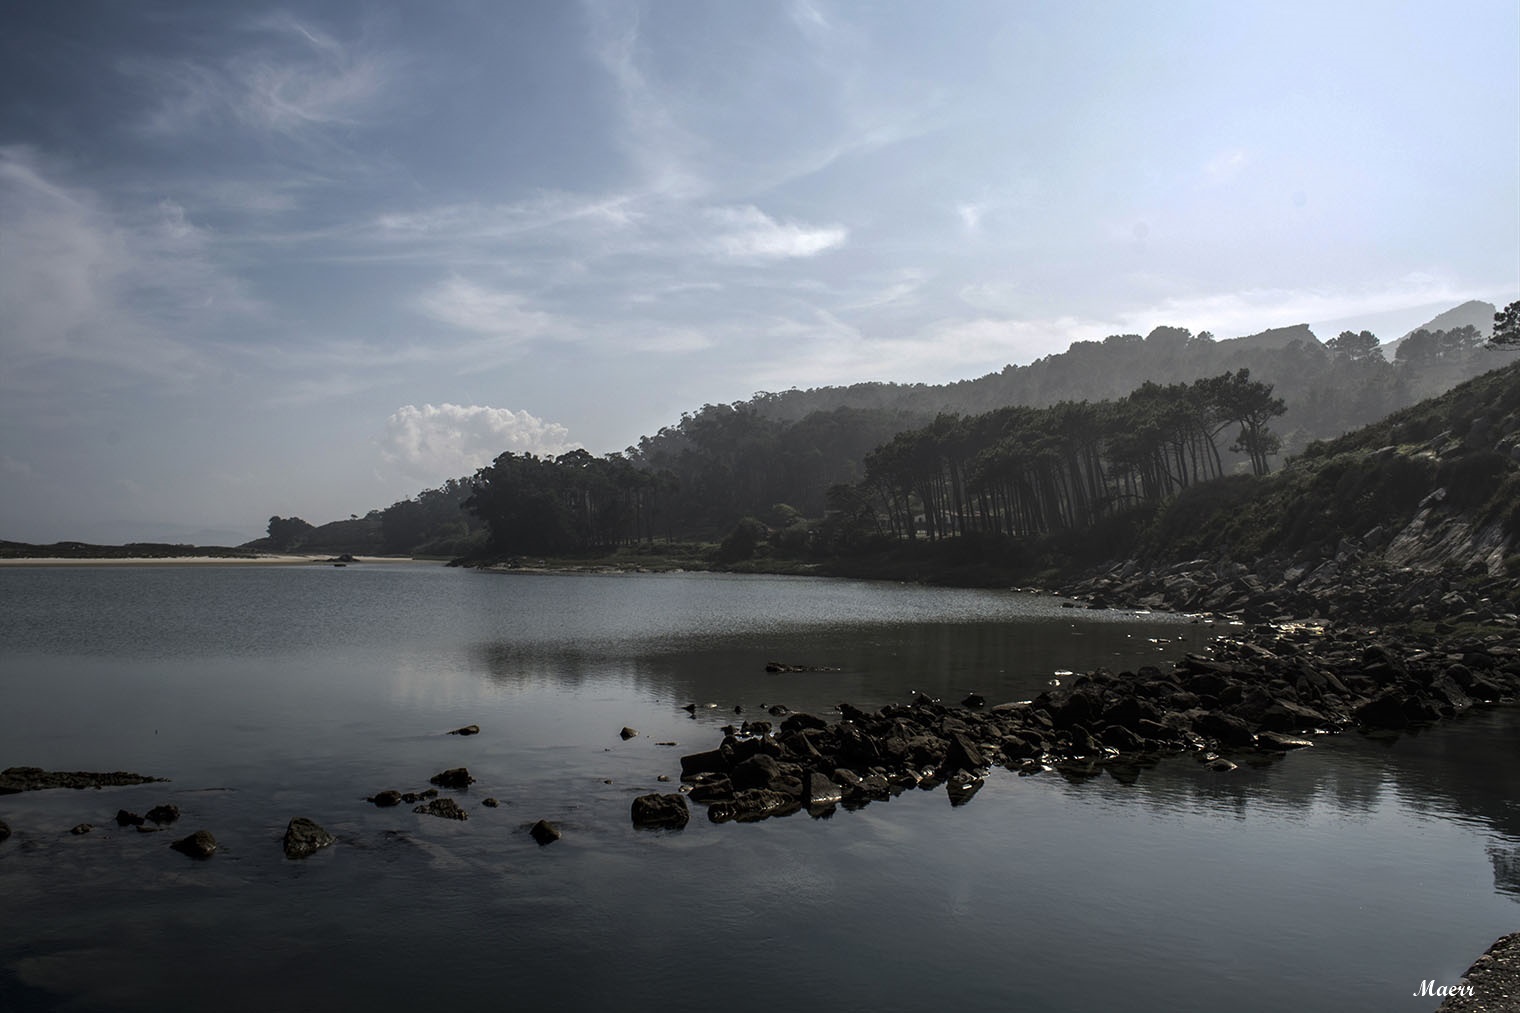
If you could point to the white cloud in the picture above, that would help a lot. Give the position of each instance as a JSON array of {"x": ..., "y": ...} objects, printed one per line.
[
  {"x": 749, "y": 233},
  {"x": 436, "y": 442},
  {"x": 471, "y": 307}
]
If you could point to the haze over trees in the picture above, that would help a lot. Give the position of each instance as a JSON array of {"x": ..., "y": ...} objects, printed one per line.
[{"x": 1053, "y": 445}]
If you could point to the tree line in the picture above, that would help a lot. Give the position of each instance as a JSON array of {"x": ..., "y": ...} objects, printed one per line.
[{"x": 1022, "y": 471}]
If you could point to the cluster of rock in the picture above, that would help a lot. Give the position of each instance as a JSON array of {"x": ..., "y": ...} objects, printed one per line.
[
  {"x": 1350, "y": 586},
  {"x": 1254, "y": 698},
  {"x": 14, "y": 780}
]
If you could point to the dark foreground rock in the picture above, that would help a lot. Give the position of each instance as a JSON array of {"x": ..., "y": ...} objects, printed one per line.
[
  {"x": 18, "y": 779},
  {"x": 5, "y": 830},
  {"x": 456, "y": 777},
  {"x": 304, "y": 837},
  {"x": 1254, "y": 697},
  {"x": 445, "y": 808},
  {"x": 1494, "y": 981},
  {"x": 124, "y": 818},
  {"x": 656, "y": 811},
  {"x": 466, "y": 730},
  {"x": 545, "y": 832},
  {"x": 198, "y": 845}
]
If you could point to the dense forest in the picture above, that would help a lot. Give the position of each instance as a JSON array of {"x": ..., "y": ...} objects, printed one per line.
[{"x": 1058, "y": 444}]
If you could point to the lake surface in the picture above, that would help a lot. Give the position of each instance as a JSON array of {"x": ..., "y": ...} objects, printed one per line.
[{"x": 1337, "y": 879}]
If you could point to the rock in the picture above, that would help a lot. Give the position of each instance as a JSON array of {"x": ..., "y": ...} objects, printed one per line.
[
  {"x": 456, "y": 777},
  {"x": 128, "y": 819},
  {"x": 660, "y": 811},
  {"x": 628, "y": 733},
  {"x": 304, "y": 837},
  {"x": 1280, "y": 742},
  {"x": 82, "y": 829},
  {"x": 19, "y": 779},
  {"x": 1221, "y": 765},
  {"x": 5, "y": 830},
  {"x": 759, "y": 771},
  {"x": 819, "y": 790},
  {"x": 961, "y": 786},
  {"x": 386, "y": 799},
  {"x": 975, "y": 700},
  {"x": 663, "y": 777},
  {"x": 198, "y": 845},
  {"x": 701, "y": 763},
  {"x": 490, "y": 803},
  {"x": 466, "y": 730},
  {"x": 752, "y": 805},
  {"x": 544, "y": 832},
  {"x": 444, "y": 808},
  {"x": 163, "y": 814}
]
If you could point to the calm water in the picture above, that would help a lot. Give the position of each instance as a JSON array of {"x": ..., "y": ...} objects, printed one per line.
[{"x": 1334, "y": 880}]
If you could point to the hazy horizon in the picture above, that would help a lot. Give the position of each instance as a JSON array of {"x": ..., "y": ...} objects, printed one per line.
[{"x": 311, "y": 259}]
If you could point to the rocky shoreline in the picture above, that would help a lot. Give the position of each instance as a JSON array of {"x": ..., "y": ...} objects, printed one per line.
[{"x": 1384, "y": 651}]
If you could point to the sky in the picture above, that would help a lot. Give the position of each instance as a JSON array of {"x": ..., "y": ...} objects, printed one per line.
[{"x": 311, "y": 259}]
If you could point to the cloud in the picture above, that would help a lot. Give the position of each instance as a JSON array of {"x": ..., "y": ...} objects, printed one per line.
[
  {"x": 472, "y": 307},
  {"x": 297, "y": 79},
  {"x": 435, "y": 442},
  {"x": 83, "y": 281},
  {"x": 748, "y": 233}
]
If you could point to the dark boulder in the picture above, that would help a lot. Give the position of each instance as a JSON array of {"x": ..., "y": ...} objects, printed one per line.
[
  {"x": 759, "y": 771},
  {"x": 466, "y": 730},
  {"x": 456, "y": 777},
  {"x": 801, "y": 722},
  {"x": 1227, "y": 729},
  {"x": 128, "y": 819},
  {"x": 162, "y": 814},
  {"x": 961, "y": 786},
  {"x": 755, "y": 804},
  {"x": 304, "y": 837},
  {"x": 712, "y": 789},
  {"x": 963, "y": 754},
  {"x": 490, "y": 803},
  {"x": 444, "y": 808},
  {"x": 386, "y": 799},
  {"x": 627, "y": 733},
  {"x": 713, "y": 760},
  {"x": 1387, "y": 710},
  {"x": 82, "y": 829},
  {"x": 660, "y": 811},
  {"x": 544, "y": 832},
  {"x": 820, "y": 790},
  {"x": 198, "y": 845}
]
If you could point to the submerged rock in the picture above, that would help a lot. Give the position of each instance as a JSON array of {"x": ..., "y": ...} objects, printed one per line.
[
  {"x": 198, "y": 845},
  {"x": 82, "y": 829},
  {"x": 655, "y": 811},
  {"x": 162, "y": 814},
  {"x": 490, "y": 803},
  {"x": 386, "y": 799},
  {"x": 5, "y": 830},
  {"x": 303, "y": 837},
  {"x": 128, "y": 819},
  {"x": 628, "y": 733},
  {"x": 544, "y": 832},
  {"x": 466, "y": 730}
]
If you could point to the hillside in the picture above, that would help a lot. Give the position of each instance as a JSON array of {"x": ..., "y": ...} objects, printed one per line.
[{"x": 1416, "y": 514}]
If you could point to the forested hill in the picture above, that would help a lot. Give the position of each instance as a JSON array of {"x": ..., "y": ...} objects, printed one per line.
[{"x": 776, "y": 455}]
